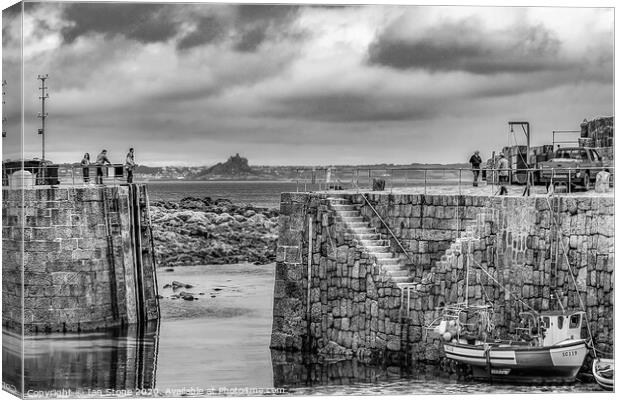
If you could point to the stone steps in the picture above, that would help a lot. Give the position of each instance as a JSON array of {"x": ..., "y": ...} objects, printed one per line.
[
  {"x": 370, "y": 240},
  {"x": 378, "y": 249},
  {"x": 364, "y": 233},
  {"x": 387, "y": 260},
  {"x": 348, "y": 213},
  {"x": 342, "y": 207}
]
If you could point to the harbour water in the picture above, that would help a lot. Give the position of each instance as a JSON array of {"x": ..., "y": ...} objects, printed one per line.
[
  {"x": 217, "y": 345},
  {"x": 258, "y": 193}
]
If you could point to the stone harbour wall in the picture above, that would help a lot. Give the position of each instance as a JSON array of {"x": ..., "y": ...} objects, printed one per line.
[
  {"x": 80, "y": 268},
  {"x": 522, "y": 245}
]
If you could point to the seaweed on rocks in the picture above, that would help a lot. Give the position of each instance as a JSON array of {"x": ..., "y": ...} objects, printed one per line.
[{"x": 196, "y": 231}]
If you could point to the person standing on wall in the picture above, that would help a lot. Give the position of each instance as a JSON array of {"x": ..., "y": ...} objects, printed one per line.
[
  {"x": 602, "y": 181},
  {"x": 102, "y": 159},
  {"x": 130, "y": 164},
  {"x": 85, "y": 172},
  {"x": 475, "y": 162},
  {"x": 504, "y": 170}
]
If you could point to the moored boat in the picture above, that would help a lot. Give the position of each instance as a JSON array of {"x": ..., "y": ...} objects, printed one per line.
[
  {"x": 551, "y": 350},
  {"x": 603, "y": 371},
  {"x": 521, "y": 362}
]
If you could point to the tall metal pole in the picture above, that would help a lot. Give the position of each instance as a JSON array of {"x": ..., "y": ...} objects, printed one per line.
[
  {"x": 527, "y": 159},
  {"x": 3, "y": 103},
  {"x": 42, "y": 114},
  {"x": 526, "y": 130}
]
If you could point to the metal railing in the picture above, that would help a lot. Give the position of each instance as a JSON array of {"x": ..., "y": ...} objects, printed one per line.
[
  {"x": 54, "y": 175},
  {"x": 428, "y": 179},
  {"x": 387, "y": 227}
]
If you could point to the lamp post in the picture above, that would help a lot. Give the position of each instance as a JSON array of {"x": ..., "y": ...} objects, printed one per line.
[{"x": 526, "y": 130}]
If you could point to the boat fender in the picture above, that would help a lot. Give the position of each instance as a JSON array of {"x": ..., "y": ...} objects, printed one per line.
[
  {"x": 447, "y": 336},
  {"x": 441, "y": 328}
]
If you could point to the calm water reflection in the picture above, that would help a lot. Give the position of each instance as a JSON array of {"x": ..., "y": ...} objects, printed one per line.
[{"x": 119, "y": 359}]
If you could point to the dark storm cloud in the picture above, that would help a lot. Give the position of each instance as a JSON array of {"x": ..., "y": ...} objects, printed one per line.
[
  {"x": 208, "y": 29},
  {"x": 276, "y": 14},
  {"x": 257, "y": 23},
  {"x": 145, "y": 23},
  {"x": 8, "y": 15},
  {"x": 347, "y": 108},
  {"x": 467, "y": 46},
  {"x": 248, "y": 26},
  {"x": 251, "y": 39}
]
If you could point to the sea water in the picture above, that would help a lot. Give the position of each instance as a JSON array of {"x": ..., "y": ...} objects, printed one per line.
[{"x": 258, "y": 193}]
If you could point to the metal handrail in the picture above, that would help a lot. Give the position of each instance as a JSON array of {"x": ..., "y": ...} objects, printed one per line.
[
  {"x": 387, "y": 227},
  {"x": 42, "y": 177},
  {"x": 388, "y": 174}
]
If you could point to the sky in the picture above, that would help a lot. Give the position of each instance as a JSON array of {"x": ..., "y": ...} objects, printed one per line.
[{"x": 192, "y": 84}]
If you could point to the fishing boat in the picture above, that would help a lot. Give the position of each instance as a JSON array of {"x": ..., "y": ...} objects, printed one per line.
[
  {"x": 552, "y": 350},
  {"x": 603, "y": 371},
  {"x": 548, "y": 346}
]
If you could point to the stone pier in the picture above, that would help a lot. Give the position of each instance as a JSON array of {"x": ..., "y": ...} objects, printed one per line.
[
  {"x": 77, "y": 259},
  {"x": 333, "y": 294}
]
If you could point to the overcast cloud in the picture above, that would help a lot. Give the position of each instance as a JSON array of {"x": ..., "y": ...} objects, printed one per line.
[{"x": 193, "y": 84}]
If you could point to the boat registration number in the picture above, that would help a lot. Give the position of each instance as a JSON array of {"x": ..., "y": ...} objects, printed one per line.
[
  {"x": 569, "y": 353},
  {"x": 500, "y": 371}
]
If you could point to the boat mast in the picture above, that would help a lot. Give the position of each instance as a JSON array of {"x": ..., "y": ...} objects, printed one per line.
[{"x": 467, "y": 280}]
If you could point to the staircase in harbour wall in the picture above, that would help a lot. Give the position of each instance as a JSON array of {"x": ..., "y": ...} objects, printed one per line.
[
  {"x": 371, "y": 240},
  {"x": 395, "y": 264}
]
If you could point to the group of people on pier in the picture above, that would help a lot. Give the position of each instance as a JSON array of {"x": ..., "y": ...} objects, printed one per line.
[
  {"x": 101, "y": 161},
  {"x": 503, "y": 168}
]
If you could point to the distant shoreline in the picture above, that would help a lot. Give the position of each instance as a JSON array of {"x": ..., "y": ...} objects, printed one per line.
[{"x": 214, "y": 180}]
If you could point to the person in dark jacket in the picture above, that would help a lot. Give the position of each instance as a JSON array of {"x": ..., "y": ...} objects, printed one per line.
[
  {"x": 475, "y": 162},
  {"x": 130, "y": 165},
  {"x": 85, "y": 163},
  {"x": 102, "y": 159}
]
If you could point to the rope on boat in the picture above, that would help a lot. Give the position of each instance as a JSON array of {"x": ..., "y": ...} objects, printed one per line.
[{"x": 570, "y": 270}]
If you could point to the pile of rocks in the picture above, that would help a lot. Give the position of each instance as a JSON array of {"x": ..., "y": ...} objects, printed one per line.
[{"x": 197, "y": 231}]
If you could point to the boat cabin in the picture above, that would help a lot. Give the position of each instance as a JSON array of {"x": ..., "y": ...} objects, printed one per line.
[{"x": 559, "y": 326}]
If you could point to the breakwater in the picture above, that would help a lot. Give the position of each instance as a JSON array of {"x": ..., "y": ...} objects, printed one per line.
[
  {"x": 345, "y": 286},
  {"x": 80, "y": 258}
]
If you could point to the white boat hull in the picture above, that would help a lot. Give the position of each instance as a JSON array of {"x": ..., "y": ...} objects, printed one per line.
[
  {"x": 559, "y": 363},
  {"x": 597, "y": 365}
]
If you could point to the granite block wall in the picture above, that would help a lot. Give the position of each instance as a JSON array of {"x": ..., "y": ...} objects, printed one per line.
[{"x": 78, "y": 265}]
